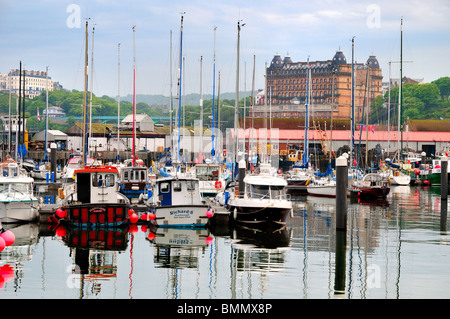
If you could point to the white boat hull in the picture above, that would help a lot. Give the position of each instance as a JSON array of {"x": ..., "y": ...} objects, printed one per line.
[
  {"x": 18, "y": 211},
  {"x": 327, "y": 191},
  {"x": 181, "y": 216},
  {"x": 43, "y": 175}
]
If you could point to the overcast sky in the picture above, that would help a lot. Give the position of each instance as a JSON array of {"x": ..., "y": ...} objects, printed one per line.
[{"x": 51, "y": 33}]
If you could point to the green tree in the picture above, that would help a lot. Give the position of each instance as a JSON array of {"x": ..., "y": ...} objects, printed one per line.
[
  {"x": 428, "y": 93},
  {"x": 443, "y": 84}
]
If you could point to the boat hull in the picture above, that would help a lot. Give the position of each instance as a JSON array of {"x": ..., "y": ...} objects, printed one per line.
[
  {"x": 372, "y": 192},
  {"x": 19, "y": 211},
  {"x": 260, "y": 212},
  {"x": 90, "y": 215},
  {"x": 181, "y": 216},
  {"x": 324, "y": 191}
]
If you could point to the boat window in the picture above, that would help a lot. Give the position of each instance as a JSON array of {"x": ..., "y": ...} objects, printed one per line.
[
  {"x": 143, "y": 176},
  {"x": 125, "y": 175},
  {"x": 95, "y": 180},
  {"x": 207, "y": 173},
  {"x": 177, "y": 186},
  {"x": 20, "y": 187},
  {"x": 277, "y": 191},
  {"x": 4, "y": 187},
  {"x": 259, "y": 191},
  {"x": 164, "y": 187},
  {"x": 190, "y": 185},
  {"x": 109, "y": 180}
]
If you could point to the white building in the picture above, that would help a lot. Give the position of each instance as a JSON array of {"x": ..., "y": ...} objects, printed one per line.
[{"x": 36, "y": 82}]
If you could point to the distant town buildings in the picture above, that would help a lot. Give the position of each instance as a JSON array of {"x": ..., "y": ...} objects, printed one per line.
[
  {"x": 330, "y": 88},
  {"x": 35, "y": 82}
]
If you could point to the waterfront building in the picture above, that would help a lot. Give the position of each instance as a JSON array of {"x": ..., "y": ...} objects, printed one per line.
[
  {"x": 330, "y": 88},
  {"x": 36, "y": 82}
]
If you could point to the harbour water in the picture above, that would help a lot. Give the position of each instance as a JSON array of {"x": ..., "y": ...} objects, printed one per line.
[{"x": 393, "y": 249}]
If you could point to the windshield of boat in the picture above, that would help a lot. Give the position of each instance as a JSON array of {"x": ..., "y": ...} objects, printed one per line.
[
  {"x": 266, "y": 191},
  {"x": 207, "y": 173},
  {"x": 134, "y": 175},
  {"x": 100, "y": 180},
  {"x": 23, "y": 188}
]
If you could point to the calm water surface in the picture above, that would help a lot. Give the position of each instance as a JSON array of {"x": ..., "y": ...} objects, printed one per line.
[{"x": 392, "y": 249}]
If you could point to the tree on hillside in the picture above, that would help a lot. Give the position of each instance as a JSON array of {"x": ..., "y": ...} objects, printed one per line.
[{"x": 444, "y": 86}]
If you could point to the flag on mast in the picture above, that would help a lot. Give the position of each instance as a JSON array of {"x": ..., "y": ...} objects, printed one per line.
[{"x": 38, "y": 117}]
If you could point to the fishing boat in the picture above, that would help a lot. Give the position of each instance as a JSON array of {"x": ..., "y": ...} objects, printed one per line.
[
  {"x": 264, "y": 200},
  {"x": 210, "y": 178},
  {"x": 372, "y": 185},
  {"x": 94, "y": 199},
  {"x": 134, "y": 182},
  {"x": 17, "y": 201},
  {"x": 176, "y": 202}
]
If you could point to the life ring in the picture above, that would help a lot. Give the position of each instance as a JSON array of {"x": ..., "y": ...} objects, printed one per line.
[
  {"x": 396, "y": 173},
  {"x": 307, "y": 182},
  {"x": 218, "y": 184}
]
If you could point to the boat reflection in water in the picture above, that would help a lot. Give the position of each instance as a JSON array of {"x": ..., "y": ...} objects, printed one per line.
[
  {"x": 178, "y": 247},
  {"x": 262, "y": 250},
  {"x": 95, "y": 255}
]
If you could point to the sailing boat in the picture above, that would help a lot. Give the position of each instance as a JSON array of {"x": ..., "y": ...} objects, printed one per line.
[
  {"x": 134, "y": 180},
  {"x": 300, "y": 174},
  {"x": 176, "y": 200},
  {"x": 376, "y": 184},
  {"x": 93, "y": 200},
  {"x": 262, "y": 199},
  {"x": 43, "y": 169}
]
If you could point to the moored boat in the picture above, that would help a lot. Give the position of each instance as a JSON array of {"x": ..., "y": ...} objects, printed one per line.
[
  {"x": 17, "y": 201},
  {"x": 264, "y": 200},
  {"x": 372, "y": 185}
]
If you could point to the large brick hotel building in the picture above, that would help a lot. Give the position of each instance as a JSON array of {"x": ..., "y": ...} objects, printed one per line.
[{"x": 286, "y": 83}]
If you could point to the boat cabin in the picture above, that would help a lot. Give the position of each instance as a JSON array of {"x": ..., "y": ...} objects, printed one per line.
[
  {"x": 97, "y": 184},
  {"x": 173, "y": 191},
  {"x": 261, "y": 187}
]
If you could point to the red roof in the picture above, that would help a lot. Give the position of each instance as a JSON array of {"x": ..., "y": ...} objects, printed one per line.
[
  {"x": 97, "y": 169},
  {"x": 340, "y": 135}
]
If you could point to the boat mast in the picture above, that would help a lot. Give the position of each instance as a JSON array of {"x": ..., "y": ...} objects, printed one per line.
[
  {"x": 236, "y": 101},
  {"x": 214, "y": 87},
  {"x": 201, "y": 110},
  {"x": 400, "y": 91},
  {"x": 134, "y": 96},
  {"x": 171, "y": 97},
  {"x": 352, "y": 104},
  {"x": 306, "y": 142},
  {"x": 389, "y": 109},
  {"x": 252, "y": 104},
  {"x": 91, "y": 85},
  {"x": 179, "y": 85},
  {"x": 118, "y": 102},
  {"x": 46, "y": 114},
  {"x": 85, "y": 114}
]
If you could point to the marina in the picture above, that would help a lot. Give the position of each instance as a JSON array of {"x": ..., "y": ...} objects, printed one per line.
[{"x": 394, "y": 248}]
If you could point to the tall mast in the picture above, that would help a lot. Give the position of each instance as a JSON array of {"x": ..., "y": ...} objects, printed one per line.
[
  {"x": 389, "y": 108},
  {"x": 118, "y": 102},
  {"x": 46, "y": 113},
  {"x": 352, "y": 103},
  {"x": 19, "y": 121},
  {"x": 85, "y": 136},
  {"x": 171, "y": 97},
  {"x": 91, "y": 87},
  {"x": 308, "y": 76},
  {"x": 400, "y": 99},
  {"x": 179, "y": 84},
  {"x": 236, "y": 101},
  {"x": 134, "y": 97},
  {"x": 201, "y": 107},
  {"x": 252, "y": 104},
  {"x": 214, "y": 87}
]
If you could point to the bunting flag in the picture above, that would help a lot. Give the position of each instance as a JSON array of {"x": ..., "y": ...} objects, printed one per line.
[{"x": 38, "y": 117}]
